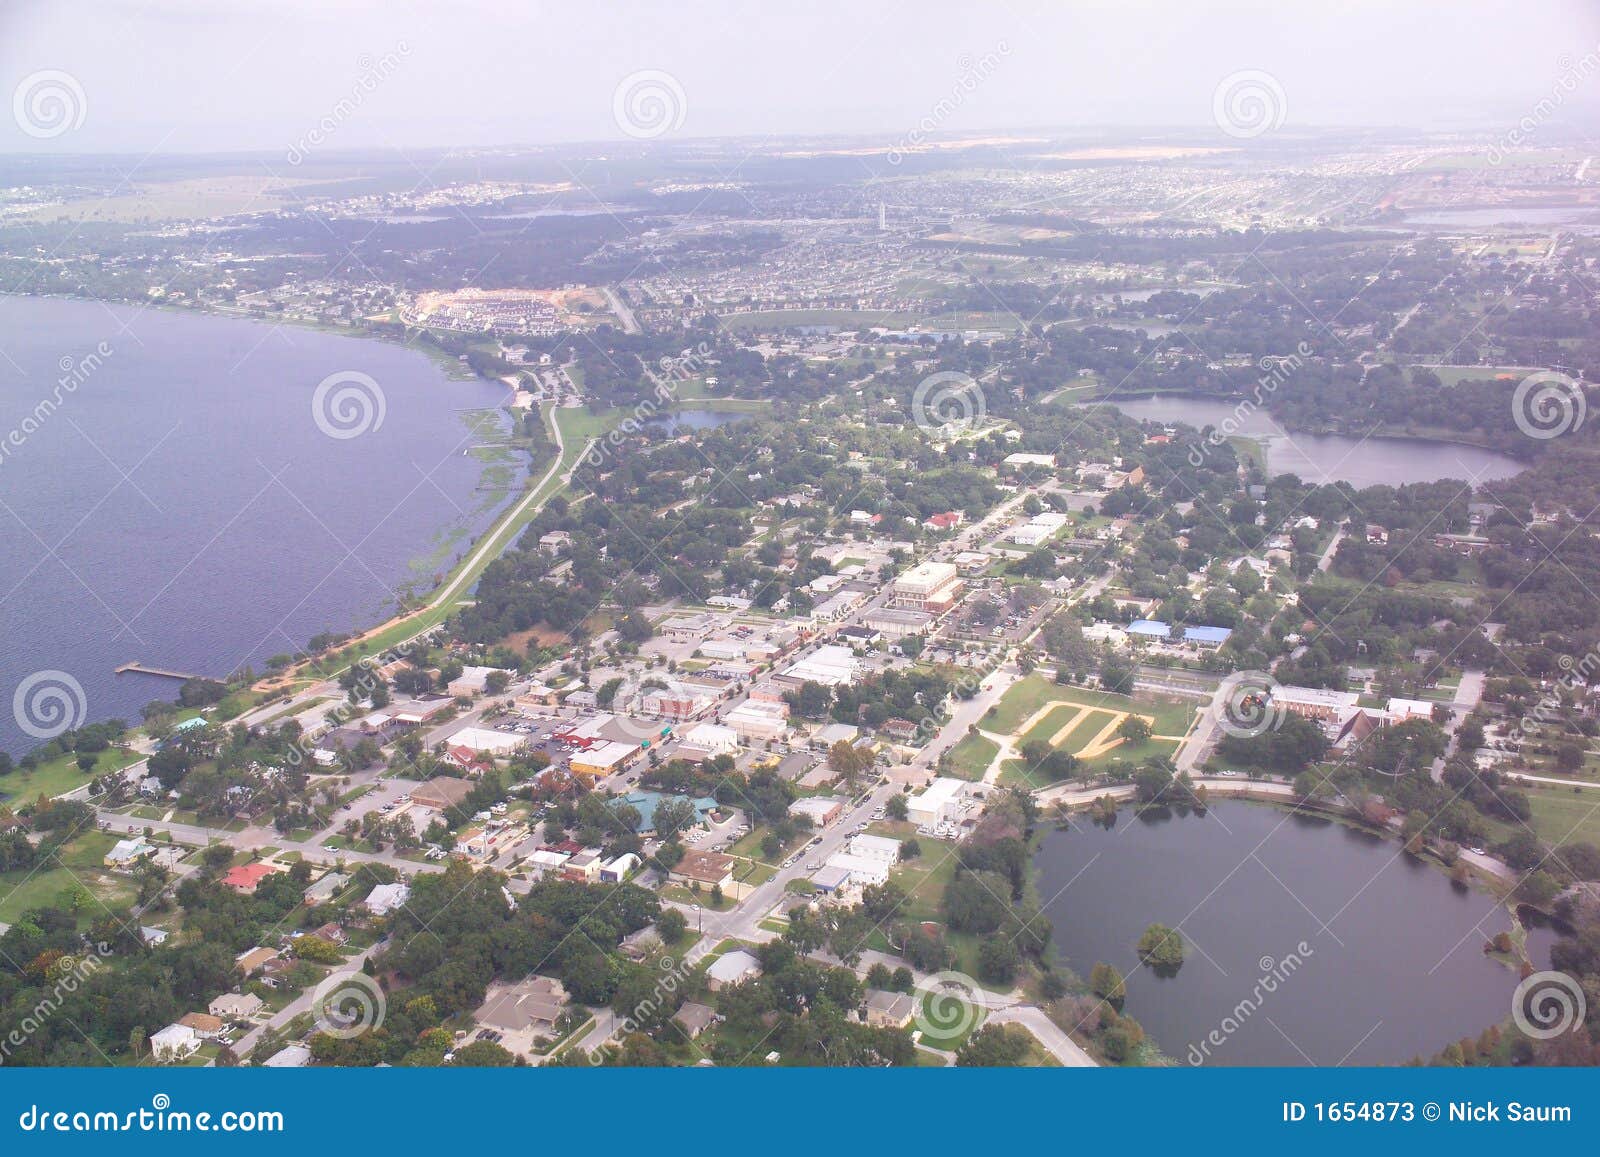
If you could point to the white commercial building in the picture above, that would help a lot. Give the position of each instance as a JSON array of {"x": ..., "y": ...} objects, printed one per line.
[
  {"x": 486, "y": 742},
  {"x": 1399, "y": 710},
  {"x": 937, "y": 804},
  {"x": 862, "y": 871},
  {"x": 712, "y": 738},
  {"x": 831, "y": 666},
  {"x": 880, "y": 848},
  {"x": 758, "y": 721}
]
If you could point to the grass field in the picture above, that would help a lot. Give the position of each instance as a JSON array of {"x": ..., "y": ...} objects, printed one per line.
[
  {"x": 79, "y": 865},
  {"x": 925, "y": 879},
  {"x": 1564, "y": 815},
  {"x": 970, "y": 758},
  {"x": 61, "y": 775},
  {"x": 1454, "y": 375},
  {"x": 1169, "y": 716}
]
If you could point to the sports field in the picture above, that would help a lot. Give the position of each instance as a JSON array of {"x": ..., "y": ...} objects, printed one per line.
[{"x": 1084, "y": 723}]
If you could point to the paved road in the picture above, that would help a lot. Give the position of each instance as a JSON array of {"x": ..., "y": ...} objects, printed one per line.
[
  {"x": 1558, "y": 782},
  {"x": 1204, "y": 734},
  {"x": 1468, "y": 692},
  {"x": 1046, "y": 1032},
  {"x": 298, "y": 1005},
  {"x": 630, "y": 324},
  {"x": 1214, "y": 784},
  {"x": 1325, "y": 560}
]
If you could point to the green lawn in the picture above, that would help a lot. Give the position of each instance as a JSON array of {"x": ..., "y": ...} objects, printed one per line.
[
  {"x": 1171, "y": 716},
  {"x": 61, "y": 775},
  {"x": 80, "y": 864},
  {"x": 970, "y": 758},
  {"x": 947, "y": 1011},
  {"x": 1565, "y": 815},
  {"x": 1133, "y": 753},
  {"x": 925, "y": 879}
]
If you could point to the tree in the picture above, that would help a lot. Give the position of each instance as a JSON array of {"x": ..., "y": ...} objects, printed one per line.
[
  {"x": 848, "y": 761},
  {"x": 1117, "y": 674},
  {"x": 483, "y": 1054},
  {"x": 897, "y": 808},
  {"x": 1161, "y": 948},
  {"x": 1135, "y": 729},
  {"x": 1107, "y": 983},
  {"x": 973, "y": 902},
  {"x": 673, "y": 816},
  {"x": 993, "y": 1046},
  {"x": 998, "y": 960},
  {"x": 671, "y": 924}
]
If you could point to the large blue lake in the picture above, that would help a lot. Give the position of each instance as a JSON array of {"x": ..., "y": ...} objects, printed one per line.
[{"x": 181, "y": 504}]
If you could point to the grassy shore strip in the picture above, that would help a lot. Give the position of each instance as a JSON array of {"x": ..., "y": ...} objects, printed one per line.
[{"x": 576, "y": 426}]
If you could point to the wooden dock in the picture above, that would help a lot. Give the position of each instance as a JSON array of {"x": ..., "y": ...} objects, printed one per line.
[{"x": 141, "y": 669}]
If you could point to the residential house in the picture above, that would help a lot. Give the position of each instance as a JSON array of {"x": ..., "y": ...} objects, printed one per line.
[
  {"x": 731, "y": 968},
  {"x": 204, "y": 1025},
  {"x": 176, "y": 1042},
  {"x": 236, "y": 1006},
  {"x": 386, "y": 898},
  {"x": 889, "y": 1009}
]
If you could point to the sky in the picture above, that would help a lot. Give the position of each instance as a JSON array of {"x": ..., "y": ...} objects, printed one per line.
[{"x": 144, "y": 76}]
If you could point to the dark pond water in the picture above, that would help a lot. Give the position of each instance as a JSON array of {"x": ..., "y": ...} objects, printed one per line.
[
  {"x": 693, "y": 420},
  {"x": 1375, "y": 957},
  {"x": 1323, "y": 458}
]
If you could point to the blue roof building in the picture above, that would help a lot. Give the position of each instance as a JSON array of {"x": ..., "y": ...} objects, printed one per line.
[
  {"x": 1150, "y": 629},
  {"x": 1207, "y": 636},
  {"x": 644, "y": 802}
]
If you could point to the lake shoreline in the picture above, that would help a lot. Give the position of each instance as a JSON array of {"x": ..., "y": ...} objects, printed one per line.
[
  {"x": 412, "y": 548},
  {"x": 1137, "y": 873},
  {"x": 1418, "y": 434}
]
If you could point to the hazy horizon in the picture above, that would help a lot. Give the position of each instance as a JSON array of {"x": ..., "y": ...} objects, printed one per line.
[{"x": 185, "y": 76}]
